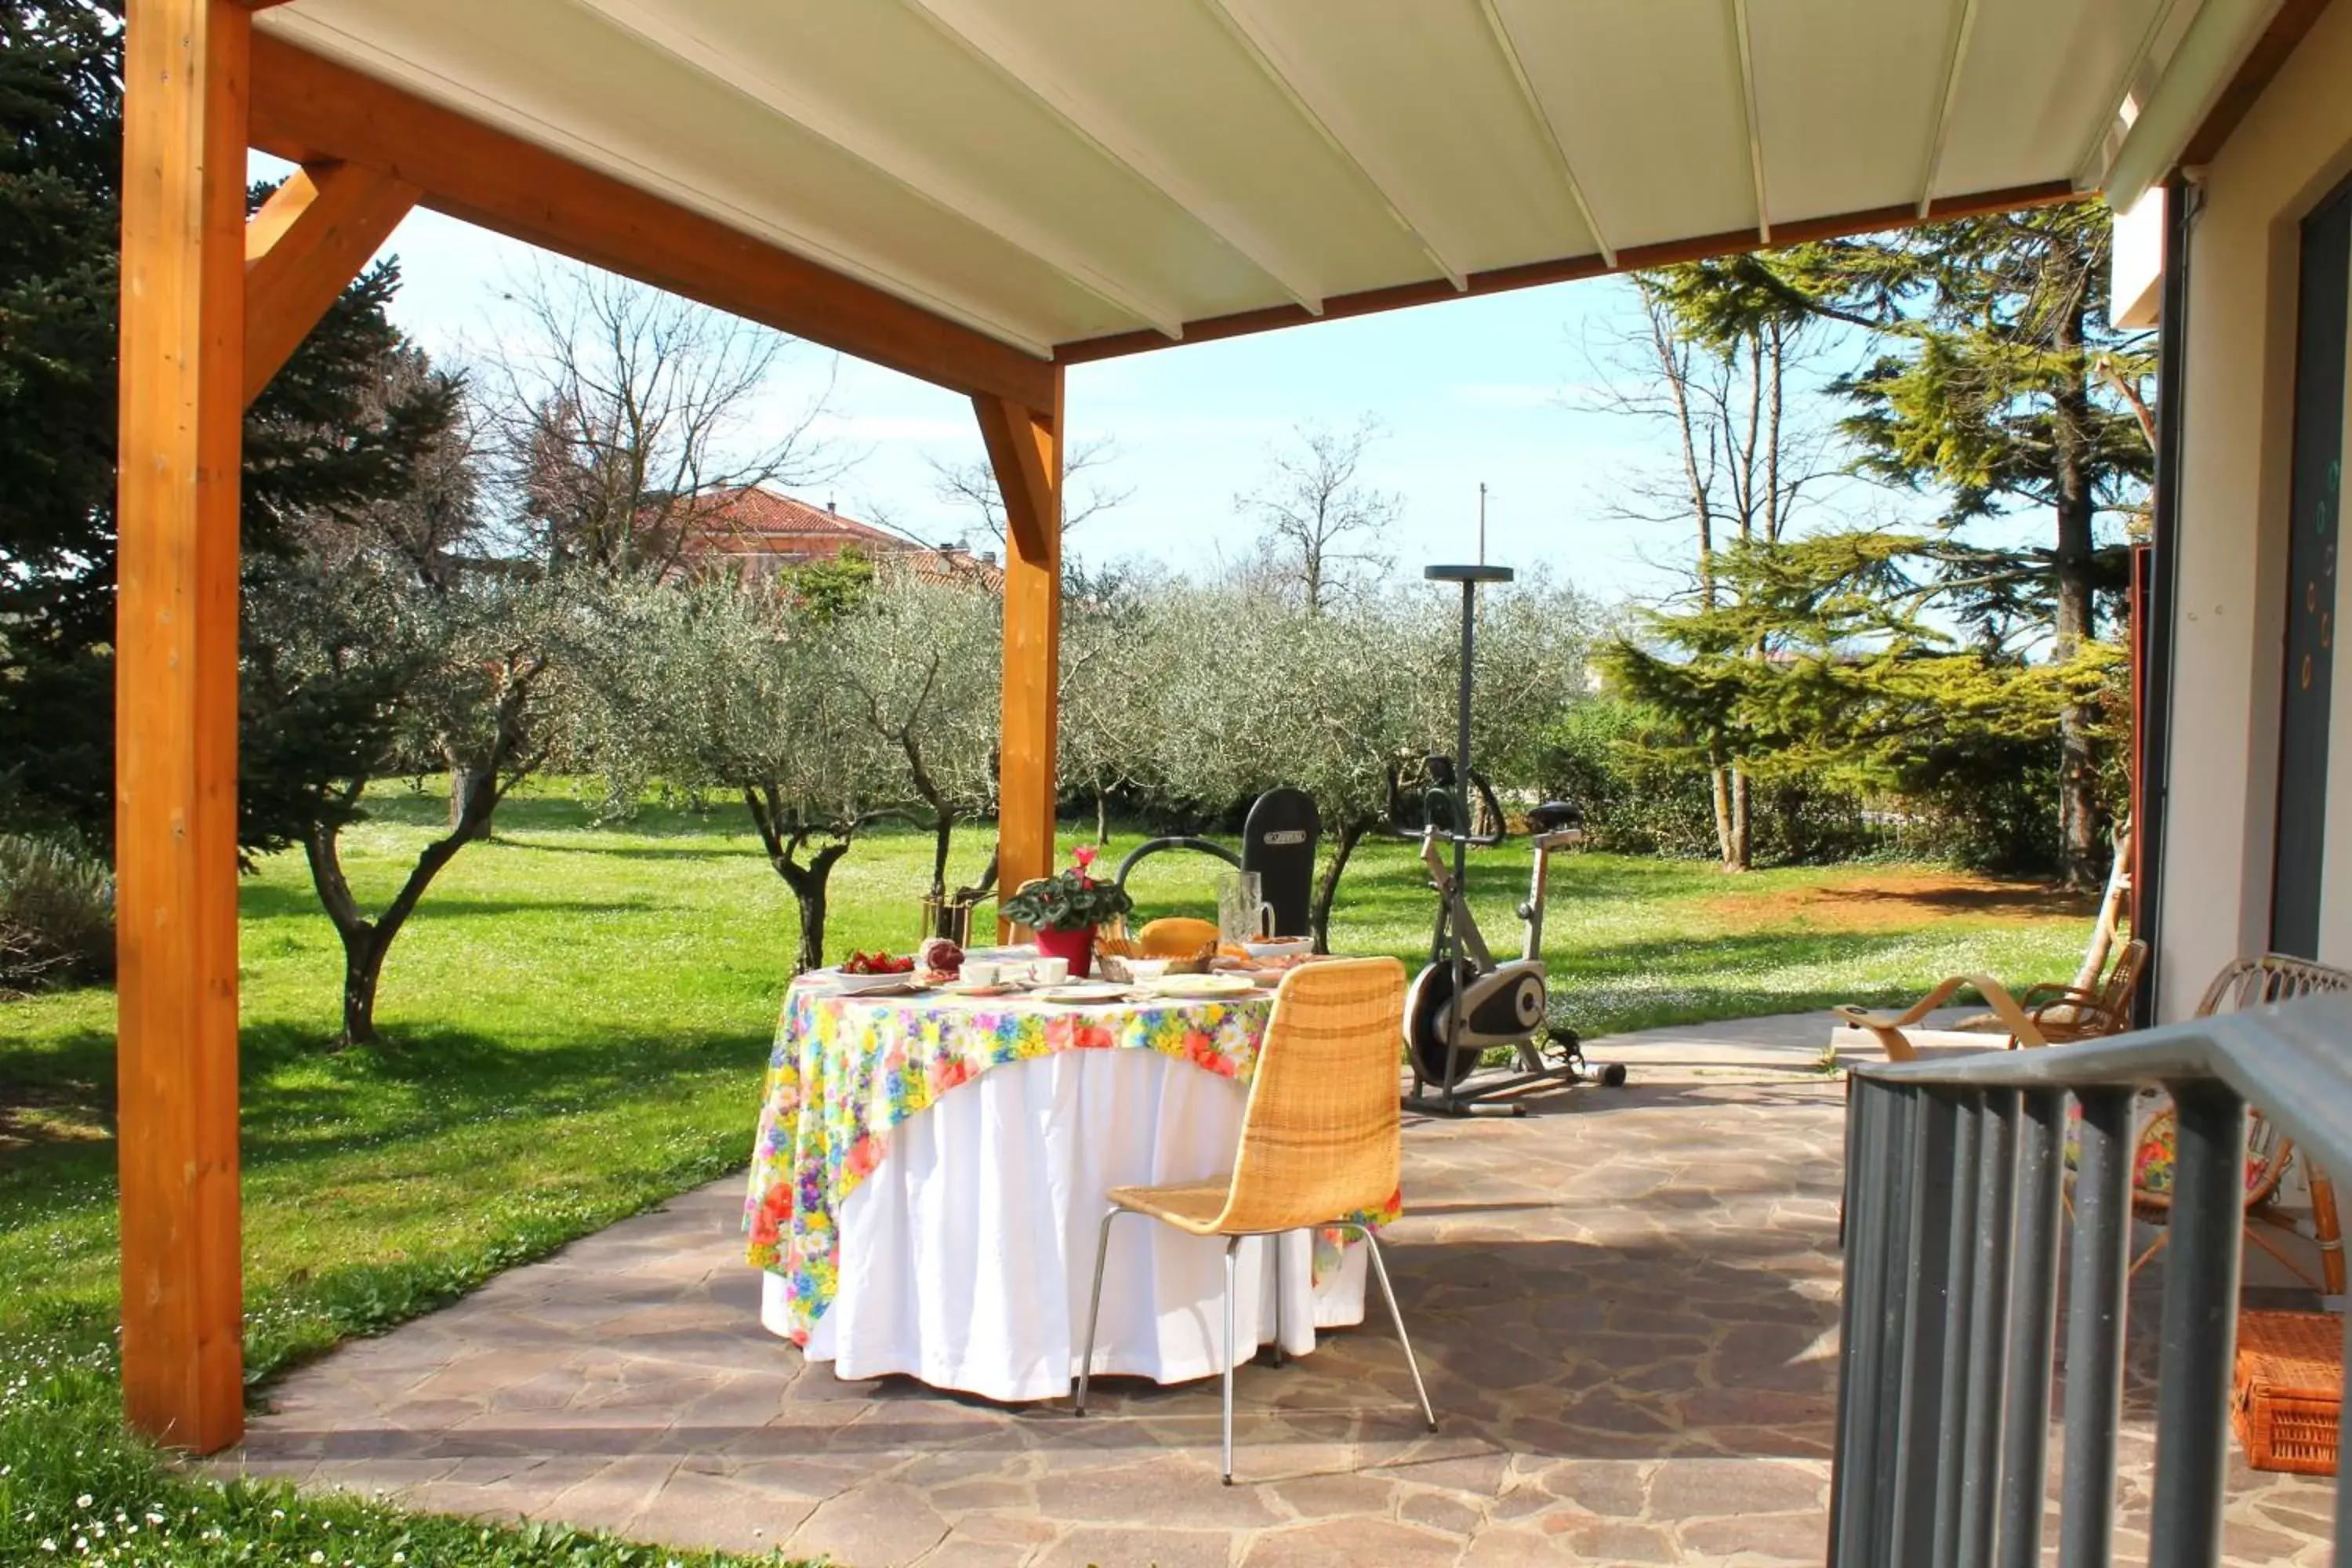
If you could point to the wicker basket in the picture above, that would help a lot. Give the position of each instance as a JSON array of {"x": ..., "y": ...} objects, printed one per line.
[{"x": 2289, "y": 1396}]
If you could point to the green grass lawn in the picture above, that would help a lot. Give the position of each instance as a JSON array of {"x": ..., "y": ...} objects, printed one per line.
[{"x": 575, "y": 1025}]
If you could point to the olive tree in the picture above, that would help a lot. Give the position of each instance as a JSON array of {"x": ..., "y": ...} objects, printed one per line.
[
  {"x": 1107, "y": 736},
  {"x": 357, "y": 670},
  {"x": 923, "y": 657},
  {"x": 729, "y": 684},
  {"x": 1253, "y": 689},
  {"x": 824, "y": 717}
]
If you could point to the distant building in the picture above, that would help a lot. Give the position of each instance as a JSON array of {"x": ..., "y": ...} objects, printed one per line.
[{"x": 758, "y": 532}]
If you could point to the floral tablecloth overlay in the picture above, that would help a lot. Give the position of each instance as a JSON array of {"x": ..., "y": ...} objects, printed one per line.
[{"x": 846, "y": 1069}]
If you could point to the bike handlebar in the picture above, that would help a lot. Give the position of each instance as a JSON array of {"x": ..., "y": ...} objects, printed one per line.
[{"x": 1475, "y": 840}]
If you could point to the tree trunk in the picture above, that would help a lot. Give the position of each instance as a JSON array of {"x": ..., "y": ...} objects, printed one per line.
[
  {"x": 809, "y": 884},
  {"x": 363, "y": 957},
  {"x": 367, "y": 943},
  {"x": 462, "y": 783},
  {"x": 1736, "y": 848},
  {"x": 2078, "y": 827},
  {"x": 1102, "y": 815},
  {"x": 1344, "y": 840},
  {"x": 1718, "y": 787},
  {"x": 942, "y": 840}
]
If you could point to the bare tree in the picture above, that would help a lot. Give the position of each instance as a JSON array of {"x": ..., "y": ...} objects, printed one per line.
[
  {"x": 618, "y": 406},
  {"x": 1744, "y": 466},
  {"x": 1319, "y": 522},
  {"x": 1085, "y": 488},
  {"x": 432, "y": 518}
]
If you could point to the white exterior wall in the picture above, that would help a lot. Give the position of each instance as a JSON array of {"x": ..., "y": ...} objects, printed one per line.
[{"x": 2292, "y": 147}]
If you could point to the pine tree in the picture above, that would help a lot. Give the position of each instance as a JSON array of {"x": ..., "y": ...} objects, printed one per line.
[
  {"x": 331, "y": 434},
  {"x": 1997, "y": 392},
  {"x": 1858, "y": 688}
]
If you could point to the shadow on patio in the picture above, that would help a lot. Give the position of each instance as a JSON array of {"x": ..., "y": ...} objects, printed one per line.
[{"x": 1625, "y": 1304}]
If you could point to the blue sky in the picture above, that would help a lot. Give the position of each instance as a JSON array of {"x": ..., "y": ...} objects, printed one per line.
[{"x": 1469, "y": 390}]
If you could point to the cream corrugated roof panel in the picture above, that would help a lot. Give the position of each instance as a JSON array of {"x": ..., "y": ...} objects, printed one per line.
[
  {"x": 1160, "y": 87},
  {"x": 1646, "y": 102},
  {"x": 2026, "y": 109},
  {"x": 1053, "y": 172},
  {"x": 559, "y": 73}
]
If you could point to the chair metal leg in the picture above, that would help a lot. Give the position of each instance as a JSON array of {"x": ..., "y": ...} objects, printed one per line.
[
  {"x": 1232, "y": 1244},
  {"x": 1412, "y": 1364},
  {"x": 1093, "y": 1305},
  {"x": 1275, "y": 1245}
]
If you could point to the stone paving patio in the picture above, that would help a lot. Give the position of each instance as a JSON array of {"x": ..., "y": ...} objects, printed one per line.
[{"x": 1625, "y": 1305}]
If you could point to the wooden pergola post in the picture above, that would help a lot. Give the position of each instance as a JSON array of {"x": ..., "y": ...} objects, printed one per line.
[
  {"x": 1025, "y": 447},
  {"x": 183, "y": 405}
]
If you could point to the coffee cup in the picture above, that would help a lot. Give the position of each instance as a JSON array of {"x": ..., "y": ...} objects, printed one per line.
[
  {"x": 979, "y": 972},
  {"x": 1050, "y": 970}
]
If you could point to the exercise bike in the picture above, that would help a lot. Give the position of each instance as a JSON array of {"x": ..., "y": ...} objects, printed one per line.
[{"x": 1466, "y": 1002}]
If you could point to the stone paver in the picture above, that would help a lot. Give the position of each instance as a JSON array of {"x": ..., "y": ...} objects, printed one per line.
[{"x": 1625, "y": 1304}]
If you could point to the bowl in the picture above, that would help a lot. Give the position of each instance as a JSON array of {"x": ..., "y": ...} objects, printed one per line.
[
  {"x": 1146, "y": 970},
  {"x": 860, "y": 985},
  {"x": 1280, "y": 947}
]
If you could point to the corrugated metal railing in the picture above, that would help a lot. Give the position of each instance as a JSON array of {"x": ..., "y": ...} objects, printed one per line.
[{"x": 1956, "y": 1179}]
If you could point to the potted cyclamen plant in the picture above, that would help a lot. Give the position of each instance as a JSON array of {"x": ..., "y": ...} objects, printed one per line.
[{"x": 1065, "y": 909}]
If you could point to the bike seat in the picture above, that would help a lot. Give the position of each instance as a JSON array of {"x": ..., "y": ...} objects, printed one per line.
[{"x": 1553, "y": 816}]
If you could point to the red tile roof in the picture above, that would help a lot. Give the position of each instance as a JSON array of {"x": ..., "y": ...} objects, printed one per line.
[
  {"x": 765, "y": 530},
  {"x": 756, "y": 517}
]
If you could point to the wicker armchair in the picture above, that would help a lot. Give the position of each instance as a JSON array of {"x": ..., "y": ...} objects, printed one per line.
[
  {"x": 2249, "y": 982},
  {"x": 2045, "y": 1015},
  {"x": 1318, "y": 1142},
  {"x": 2064, "y": 1012}
]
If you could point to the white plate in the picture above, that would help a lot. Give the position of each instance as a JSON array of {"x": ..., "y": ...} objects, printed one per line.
[
  {"x": 869, "y": 984},
  {"x": 1091, "y": 991},
  {"x": 997, "y": 988},
  {"x": 1203, "y": 987},
  {"x": 1279, "y": 947}
]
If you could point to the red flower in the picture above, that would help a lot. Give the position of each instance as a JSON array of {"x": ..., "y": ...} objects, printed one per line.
[
  {"x": 863, "y": 1155},
  {"x": 774, "y": 1209},
  {"x": 1201, "y": 1047},
  {"x": 1093, "y": 1038}
]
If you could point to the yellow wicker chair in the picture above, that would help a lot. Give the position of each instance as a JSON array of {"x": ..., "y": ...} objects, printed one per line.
[{"x": 1319, "y": 1141}]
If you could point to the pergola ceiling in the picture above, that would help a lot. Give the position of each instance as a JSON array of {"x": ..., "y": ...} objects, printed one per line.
[{"x": 1051, "y": 172}]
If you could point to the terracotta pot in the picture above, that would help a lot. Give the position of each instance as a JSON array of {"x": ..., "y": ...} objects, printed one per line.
[{"x": 1078, "y": 946}]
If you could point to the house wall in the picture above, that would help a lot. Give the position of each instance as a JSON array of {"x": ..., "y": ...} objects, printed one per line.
[{"x": 2292, "y": 148}]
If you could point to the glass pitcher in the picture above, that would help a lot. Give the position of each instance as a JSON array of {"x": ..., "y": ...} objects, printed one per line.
[{"x": 1242, "y": 913}]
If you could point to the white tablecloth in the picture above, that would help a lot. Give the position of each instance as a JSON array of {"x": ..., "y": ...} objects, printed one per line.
[{"x": 967, "y": 1254}]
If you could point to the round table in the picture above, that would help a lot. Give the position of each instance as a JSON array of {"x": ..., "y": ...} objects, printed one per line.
[{"x": 930, "y": 1172}]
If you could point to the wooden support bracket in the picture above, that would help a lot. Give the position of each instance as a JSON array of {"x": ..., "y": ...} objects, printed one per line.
[
  {"x": 1024, "y": 447},
  {"x": 303, "y": 248}
]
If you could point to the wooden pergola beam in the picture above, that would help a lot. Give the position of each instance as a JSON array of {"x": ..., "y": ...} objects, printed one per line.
[
  {"x": 303, "y": 248},
  {"x": 308, "y": 110},
  {"x": 1024, "y": 447},
  {"x": 183, "y": 407},
  {"x": 1529, "y": 274}
]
